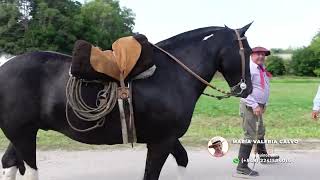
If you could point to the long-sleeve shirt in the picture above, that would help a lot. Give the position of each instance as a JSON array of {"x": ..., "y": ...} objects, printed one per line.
[
  {"x": 316, "y": 101},
  {"x": 259, "y": 94}
]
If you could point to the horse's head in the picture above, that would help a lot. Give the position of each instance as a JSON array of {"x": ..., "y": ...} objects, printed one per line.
[{"x": 233, "y": 59}]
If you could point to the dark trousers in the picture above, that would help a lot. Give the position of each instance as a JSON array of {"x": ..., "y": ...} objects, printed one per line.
[{"x": 249, "y": 123}]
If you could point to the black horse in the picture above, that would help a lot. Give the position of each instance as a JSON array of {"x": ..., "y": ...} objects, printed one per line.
[{"x": 32, "y": 97}]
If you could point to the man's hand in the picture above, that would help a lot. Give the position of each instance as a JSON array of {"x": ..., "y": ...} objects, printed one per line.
[
  {"x": 314, "y": 115},
  {"x": 258, "y": 111}
]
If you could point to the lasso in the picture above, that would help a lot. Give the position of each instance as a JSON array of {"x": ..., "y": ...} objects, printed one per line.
[{"x": 105, "y": 102}]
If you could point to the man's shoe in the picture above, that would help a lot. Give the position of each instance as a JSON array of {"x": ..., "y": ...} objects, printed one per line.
[
  {"x": 247, "y": 171},
  {"x": 244, "y": 154}
]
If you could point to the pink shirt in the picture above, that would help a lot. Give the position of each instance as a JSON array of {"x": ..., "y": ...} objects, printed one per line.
[{"x": 259, "y": 95}]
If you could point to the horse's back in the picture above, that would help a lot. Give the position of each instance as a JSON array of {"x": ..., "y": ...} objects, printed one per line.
[
  {"x": 27, "y": 72},
  {"x": 23, "y": 80}
]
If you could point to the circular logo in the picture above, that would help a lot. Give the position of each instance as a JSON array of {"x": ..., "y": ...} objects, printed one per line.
[{"x": 218, "y": 146}]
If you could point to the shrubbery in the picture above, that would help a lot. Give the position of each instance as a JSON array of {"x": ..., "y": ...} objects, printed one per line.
[{"x": 275, "y": 65}]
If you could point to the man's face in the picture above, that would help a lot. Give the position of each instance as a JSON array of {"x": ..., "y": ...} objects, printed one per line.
[
  {"x": 218, "y": 147},
  {"x": 258, "y": 57}
]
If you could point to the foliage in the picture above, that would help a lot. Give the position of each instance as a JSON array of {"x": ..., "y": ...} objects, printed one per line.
[
  {"x": 108, "y": 22},
  {"x": 275, "y": 65},
  {"x": 11, "y": 29},
  {"x": 306, "y": 60},
  {"x": 28, "y": 25},
  {"x": 317, "y": 72}
]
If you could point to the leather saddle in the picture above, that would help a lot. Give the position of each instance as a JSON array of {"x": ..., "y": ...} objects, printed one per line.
[{"x": 129, "y": 57}]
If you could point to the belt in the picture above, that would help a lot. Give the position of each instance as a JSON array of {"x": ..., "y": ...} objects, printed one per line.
[{"x": 261, "y": 105}]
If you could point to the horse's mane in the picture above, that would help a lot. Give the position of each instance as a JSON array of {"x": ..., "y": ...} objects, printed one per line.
[{"x": 193, "y": 35}]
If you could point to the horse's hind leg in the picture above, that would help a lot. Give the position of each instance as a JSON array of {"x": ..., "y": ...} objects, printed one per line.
[
  {"x": 156, "y": 157},
  {"x": 181, "y": 156},
  {"x": 24, "y": 143},
  {"x": 11, "y": 163}
]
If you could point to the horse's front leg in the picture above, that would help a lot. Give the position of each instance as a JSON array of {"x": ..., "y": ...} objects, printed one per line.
[
  {"x": 181, "y": 156},
  {"x": 156, "y": 157}
]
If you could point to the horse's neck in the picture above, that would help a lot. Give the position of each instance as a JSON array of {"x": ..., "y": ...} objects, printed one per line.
[{"x": 197, "y": 59}]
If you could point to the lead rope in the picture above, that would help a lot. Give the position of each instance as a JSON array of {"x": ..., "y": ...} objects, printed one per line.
[
  {"x": 218, "y": 97},
  {"x": 256, "y": 144}
]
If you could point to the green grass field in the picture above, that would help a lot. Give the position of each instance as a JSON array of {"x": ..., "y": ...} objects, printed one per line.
[{"x": 288, "y": 116}]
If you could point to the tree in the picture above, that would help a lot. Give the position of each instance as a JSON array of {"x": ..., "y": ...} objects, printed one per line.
[
  {"x": 11, "y": 28},
  {"x": 52, "y": 28},
  {"x": 25, "y": 7},
  {"x": 305, "y": 61},
  {"x": 104, "y": 22},
  {"x": 28, "y": 25},
  {"x": 275, "y": 65},
  {"x": 315, "y": 45}
]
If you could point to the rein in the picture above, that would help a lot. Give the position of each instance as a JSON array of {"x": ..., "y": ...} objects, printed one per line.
[{"x": 241, "y": 84}]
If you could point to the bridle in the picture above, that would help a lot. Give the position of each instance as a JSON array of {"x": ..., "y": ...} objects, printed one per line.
[{"x": 242, "y": 84}]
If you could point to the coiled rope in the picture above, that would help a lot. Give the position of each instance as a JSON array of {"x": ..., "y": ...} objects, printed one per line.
[{"x": 105, "y": 102}]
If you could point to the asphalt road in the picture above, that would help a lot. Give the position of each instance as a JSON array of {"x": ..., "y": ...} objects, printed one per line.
[{"x": 128, "y": 164}]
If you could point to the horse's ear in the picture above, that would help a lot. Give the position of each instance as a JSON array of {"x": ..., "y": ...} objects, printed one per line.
[
  {"x": 226, "y": 26},
  {"x": 243, "y": 30}
]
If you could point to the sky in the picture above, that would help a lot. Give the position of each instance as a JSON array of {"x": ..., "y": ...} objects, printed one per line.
[{"x": 277, "y": 23}]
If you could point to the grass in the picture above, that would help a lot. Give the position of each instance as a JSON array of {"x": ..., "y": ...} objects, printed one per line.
[{"x": 287, "y": 116}]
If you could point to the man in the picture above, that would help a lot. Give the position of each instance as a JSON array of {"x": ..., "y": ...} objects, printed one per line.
[
  {"x": 217, "y": 146},
  {"x": 252, "y": 109},
  {"x": 316, "y": 105}
]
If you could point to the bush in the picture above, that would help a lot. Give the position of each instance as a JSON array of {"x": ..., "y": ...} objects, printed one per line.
[
  {"x": 317, "y": 72},
  {"x": 275, "y": 65},
  {"x": 305, "y": 61}
]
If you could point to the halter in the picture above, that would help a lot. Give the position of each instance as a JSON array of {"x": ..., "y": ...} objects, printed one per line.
[{"x": 242, "y": 84}]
